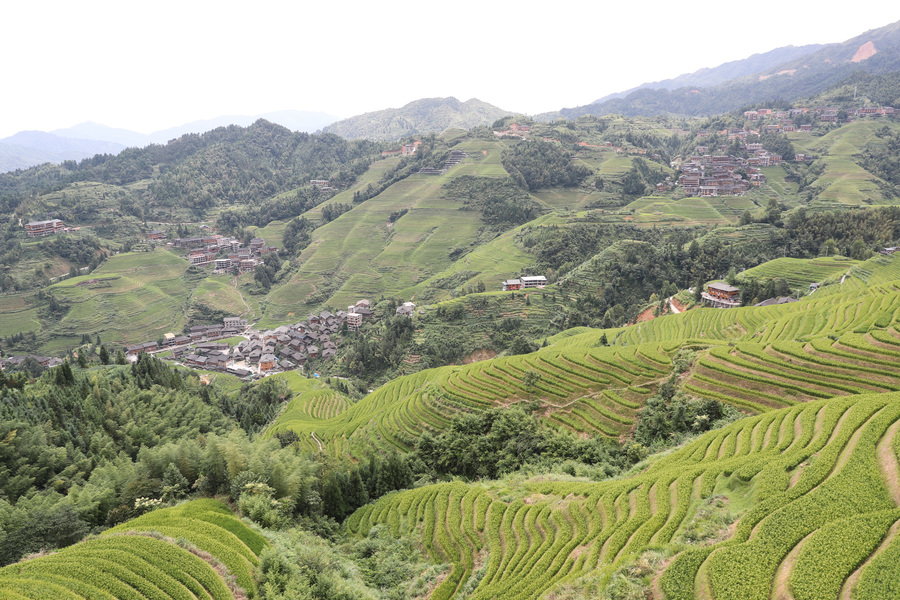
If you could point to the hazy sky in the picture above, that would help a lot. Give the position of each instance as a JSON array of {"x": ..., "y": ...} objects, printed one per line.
[{"x": 154, "y": 65}]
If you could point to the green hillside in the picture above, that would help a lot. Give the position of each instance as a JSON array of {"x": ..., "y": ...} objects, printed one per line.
[
  {"x": 775, "y": 357},
  {"x": 794, "y": 482},
  {"x": 800, "y": 272},
  {"x": 420, "y": 117},
  {"x": 387, "y": 231},
  {"x": 189, "y": 551}
]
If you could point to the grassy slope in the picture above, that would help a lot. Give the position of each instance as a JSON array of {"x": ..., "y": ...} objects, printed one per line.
[
  {"x": 811, "y": 481},
  {"x": 360, "y": 254},
  {"x": 140, "y": 296},
  {"x": 844, "y": 181},
  {"x": 784, "y": 355},
  {"x": 801, "y": 272}
]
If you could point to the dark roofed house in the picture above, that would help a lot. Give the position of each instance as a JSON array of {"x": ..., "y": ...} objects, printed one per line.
[{"x": 774, "y": 301}]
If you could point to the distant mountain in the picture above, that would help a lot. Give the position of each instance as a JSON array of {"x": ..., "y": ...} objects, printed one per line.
[
  {"x": 102, "y": 133},
  {"x": 875, "y": 52},
  {"x": 28, "y": 148},
  {"x": 295, "y": 120},
  {"x": 428, "y": 115},
  {"x": 706, "y": 77}
]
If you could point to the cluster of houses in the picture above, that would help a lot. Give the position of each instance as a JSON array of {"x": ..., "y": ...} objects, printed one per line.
[
  {"x": 230, "y": 326},
  {"x": 42, "y": 228},
  {"x": 785, "y": 118},
  {"x": 15, "y": 362},
  {"x": 530, "y": 281},
  {"x": 718, "y": 175},
  {"x": 323, "y": 185},
  {"x": 282, "y": 349},
  {"x": 224, "y": 252},
  {"x": 515, "y": 130}
]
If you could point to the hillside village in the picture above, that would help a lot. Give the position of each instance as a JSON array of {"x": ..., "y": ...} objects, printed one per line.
[
  {"x": 284, "y": 348},
  {"x": 563, "y": 356}
]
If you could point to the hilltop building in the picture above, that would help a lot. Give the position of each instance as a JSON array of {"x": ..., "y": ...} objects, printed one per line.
[
  {"x": 528, "y": 281},
  {"x": 721, "y": 295},
  {"x": 537, "y": 281},
  {"x": 42, "y": 228}
]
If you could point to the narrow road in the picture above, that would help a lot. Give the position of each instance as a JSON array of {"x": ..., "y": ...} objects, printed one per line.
[
  {"x": 313, "y": 434},
  {"x": 672, "y": 306}
]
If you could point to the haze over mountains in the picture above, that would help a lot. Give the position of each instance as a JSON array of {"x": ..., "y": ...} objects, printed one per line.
[
  {"x": 785, "y": 74},
  {"x": 29, "y": 148}
]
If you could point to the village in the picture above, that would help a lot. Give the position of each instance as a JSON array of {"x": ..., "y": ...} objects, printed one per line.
[
  {"x": 708, "y": 175},
  {"x": 285, "y": 348}
]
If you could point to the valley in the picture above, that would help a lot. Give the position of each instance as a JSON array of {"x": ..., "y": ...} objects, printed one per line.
[{"x": 473, "y": 360}]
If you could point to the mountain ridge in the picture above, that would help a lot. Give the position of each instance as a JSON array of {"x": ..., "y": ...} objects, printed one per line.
[
  {"x": 426, "y": 115},
  {"x": 801, "y": 77},
  {"x": 86, "y": 139}
]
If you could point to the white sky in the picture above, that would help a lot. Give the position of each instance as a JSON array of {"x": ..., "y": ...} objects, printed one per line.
[{"x": 153, "y": 65}]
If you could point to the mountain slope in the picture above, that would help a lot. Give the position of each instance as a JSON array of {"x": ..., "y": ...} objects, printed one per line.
[
  {"x": 875, "y": 52},
  {"x": 706, "y": 77},
  {"x": 810, "y": 489},
  {"x": 428, "y": 115}
]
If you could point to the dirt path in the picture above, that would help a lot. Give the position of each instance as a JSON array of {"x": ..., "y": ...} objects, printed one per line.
[
  {"x": 850, "y": 584},
  {"x": 847, "y": 452},
  {"x": 313, "y": 434},
  {"x": 246, "y": 306},
  {"x": 887, "y": 462},
  {"x": 781, "y": 589}
]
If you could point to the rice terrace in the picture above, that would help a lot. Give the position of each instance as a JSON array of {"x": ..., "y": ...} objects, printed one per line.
[{"x": 646, "y": 348}]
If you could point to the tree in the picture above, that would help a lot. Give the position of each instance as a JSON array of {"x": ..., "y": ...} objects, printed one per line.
[
  {"x": 530, "y": 380},
  {"x": 104, "y": 355}
]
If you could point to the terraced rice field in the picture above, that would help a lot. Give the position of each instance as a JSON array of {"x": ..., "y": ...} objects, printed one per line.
[
  {"x": 831, "y": 344},
  {"x": 598, "y": 391},
  {"x": 138, "y": 296},
  {"x": 822, "y": 478},
  {"x": 139, "y": 560},
  {"x": 361, "y": 255},
  {"x": 800, "y": 272}
]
